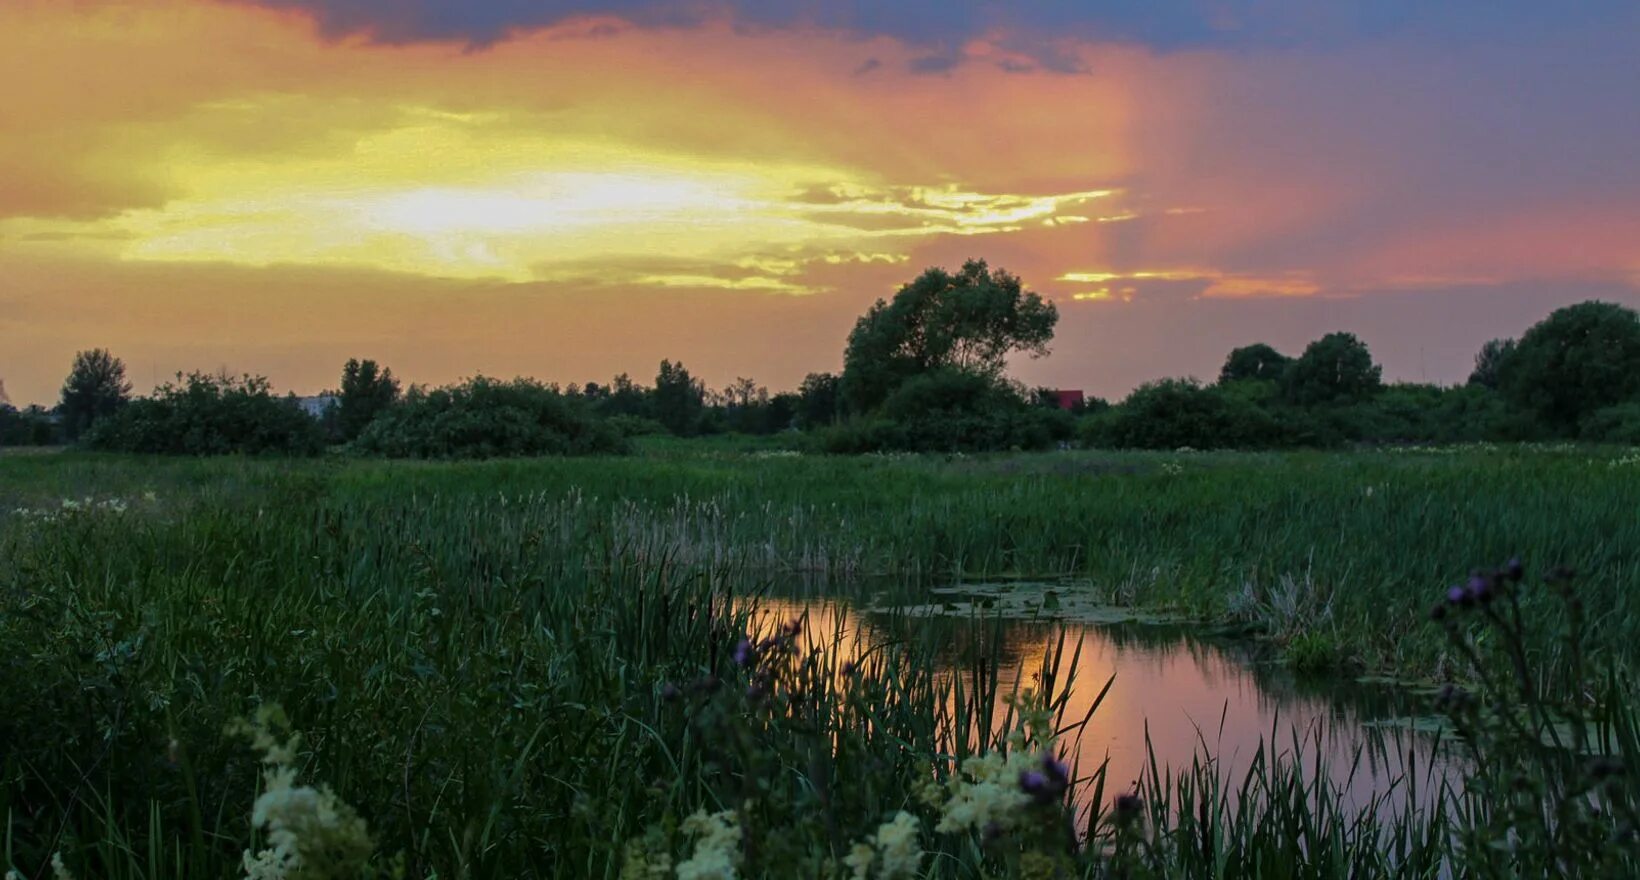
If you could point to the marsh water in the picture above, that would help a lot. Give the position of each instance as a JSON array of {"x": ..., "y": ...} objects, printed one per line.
[{"x": 1174, "y": 693}]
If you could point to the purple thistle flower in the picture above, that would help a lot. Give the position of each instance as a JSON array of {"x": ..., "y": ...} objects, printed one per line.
[
  {"x": 1056, "y": 770},
  {"x": 1457, "y": 595},
  {"x": 1514, "y": 570},
  {"x": 744, "y": 654},
  {"x": 1033, "y": 783},
  {"x": 991, "y": 831},
  {"x": 670, "y": 692}
]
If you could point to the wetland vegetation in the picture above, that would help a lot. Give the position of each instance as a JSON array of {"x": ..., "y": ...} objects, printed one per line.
[{"x": 590, "y": 666}]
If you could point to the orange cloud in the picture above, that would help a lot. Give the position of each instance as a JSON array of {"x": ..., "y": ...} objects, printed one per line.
[{"x": 190, "y": 173}]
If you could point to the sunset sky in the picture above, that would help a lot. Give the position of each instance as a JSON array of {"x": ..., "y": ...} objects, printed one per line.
[{"x": 574, "y": 189}]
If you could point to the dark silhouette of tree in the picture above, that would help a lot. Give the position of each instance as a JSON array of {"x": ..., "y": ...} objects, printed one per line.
[
  {"x": 95, "y": 389},
  {"x": 1489, "y": 362},
  {"x": 626, "y": 397},
  {"x": 969, "y": 322},
  {"x": 679, "y": 399},
  {"x": 819, "y": 400},
  {"x": 1257, "y": 362},
  {"x": 1337, "y": 368},
  {"x": 1580, "y": 359},
  {"x": 367, "y": 391}
]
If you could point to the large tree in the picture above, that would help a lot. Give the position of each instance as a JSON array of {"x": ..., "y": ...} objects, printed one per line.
[
  {"x": 679, "y": 399},
  {"x": 95, "y": 389},
  {"x": 1580, "y": 359},
  {"x": 1489, "y": 362},
  {"x": 1337, "y": 368},
  {"x": 1257, "y": 361},
  {"x": 818, "y": 401},
  {"x": 969, "y": 321},
  {"x": 367, "y": 390}
]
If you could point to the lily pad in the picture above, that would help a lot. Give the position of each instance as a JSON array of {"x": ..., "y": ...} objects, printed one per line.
[
  {"x": 1416, "y": 723},
  {"x": 1027, "y": 600}
]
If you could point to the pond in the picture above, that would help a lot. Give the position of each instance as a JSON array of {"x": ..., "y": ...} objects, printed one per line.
[{"x": 1174, "y": 693}]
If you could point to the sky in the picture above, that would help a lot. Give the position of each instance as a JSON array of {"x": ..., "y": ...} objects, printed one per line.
[{"x": 572, "y": 190}]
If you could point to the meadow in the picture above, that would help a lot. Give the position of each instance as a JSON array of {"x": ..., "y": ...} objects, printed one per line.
[{"x": 546, "y": 667}]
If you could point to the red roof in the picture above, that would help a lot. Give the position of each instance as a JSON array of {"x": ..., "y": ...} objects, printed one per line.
[{"x": 1068, "y": 399}]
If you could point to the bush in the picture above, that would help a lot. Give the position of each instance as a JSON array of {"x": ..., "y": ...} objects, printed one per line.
[
  {"x": 27, "y": 427},
  {"x": 1614, "y": 424},
  {"x": 951, "y": 411},
  {"x": 485, "y": 418},
  {"x": 635, "y": 426},
  {"x": 1579, "y": 360},
  {"x": 201, "y": 414},
  {"x": 1176, "y": 413}
]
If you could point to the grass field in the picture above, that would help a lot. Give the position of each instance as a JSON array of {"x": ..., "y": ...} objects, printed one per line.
[{"x": 519, "y": 668}]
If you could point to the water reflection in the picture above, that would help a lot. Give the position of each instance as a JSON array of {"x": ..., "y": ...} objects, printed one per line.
[{"x": 1183, "y": 697}]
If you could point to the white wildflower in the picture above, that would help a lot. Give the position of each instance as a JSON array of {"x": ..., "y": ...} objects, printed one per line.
[
  {"x": 990, "y": 793},
  {"x": 310, "y": 831},
  {"x": 643, "y": 861},
  {"x": 58, "y": 870},
  {"x": 859, "y": 861},
  {"x": 900, "y": 845},
  {"x": 717, "y": 847}
]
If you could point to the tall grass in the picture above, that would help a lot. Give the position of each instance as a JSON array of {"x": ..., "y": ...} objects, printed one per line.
[
  {"x": 516, "y": 669},
  {"x": 1327, "y": 547}
]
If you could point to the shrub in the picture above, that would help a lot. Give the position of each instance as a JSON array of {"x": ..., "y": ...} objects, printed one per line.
[
  {"x": 202, "y": 414},
  {"x": 1614, "y": 424},
  {"x": 485, "y": 418},
  {"x": 1579, "y": 360},
  {"x": 950, "y": 411},
  {"x": 1336, "y": 368},
  {"x": 32, "y": 426},
  {"x": 635, "y": 426},
  {"x": 1174, "y": 413}
]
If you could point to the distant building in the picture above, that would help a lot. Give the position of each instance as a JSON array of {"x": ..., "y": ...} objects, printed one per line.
[
  {"x": 1069, "y": 399},
  {"x": 318, "y": 404}
]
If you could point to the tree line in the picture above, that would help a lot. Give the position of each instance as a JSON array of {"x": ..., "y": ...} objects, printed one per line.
[{"x": 922, "y": 371}]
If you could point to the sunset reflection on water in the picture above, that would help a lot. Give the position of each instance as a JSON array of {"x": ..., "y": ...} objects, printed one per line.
[{"x": 1194, "y": 699}]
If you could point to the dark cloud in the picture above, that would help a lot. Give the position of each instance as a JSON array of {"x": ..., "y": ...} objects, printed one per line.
[
  {"x": 934, "y": 64},
  {"x": 1162, "y": 24}
]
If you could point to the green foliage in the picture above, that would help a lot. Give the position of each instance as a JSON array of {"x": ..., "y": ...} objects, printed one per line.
[
  {"x": 951, "y": 410},
  {"x": 621, "y": 397},
  {"x": 1581, "y": 359},
  {"x": 1489, "y": 363},
  {"x": 94, "y": 390},
  {"x": 486, "y": 418},
  {"x": 1175, "y": 413},
  {"x": 969, "y": 321},
  {"x": 201, "y": 414},
  {"x": 367, "y": 391},
  {"x": 820, "y": 401},
  {"x": 679, "y": 400},
  {"x": 1257, "y": 362},
  {"x": 1554, "y": 790},
  {"x": 30, "y": 426},
  {"x": 1337, "y": 368},
  {"x": 1614, "y": 424},
  {"x": 635, "y": 426},
  {"x": 535, "y": 668},
  {"x": 747, "y": 408}
]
